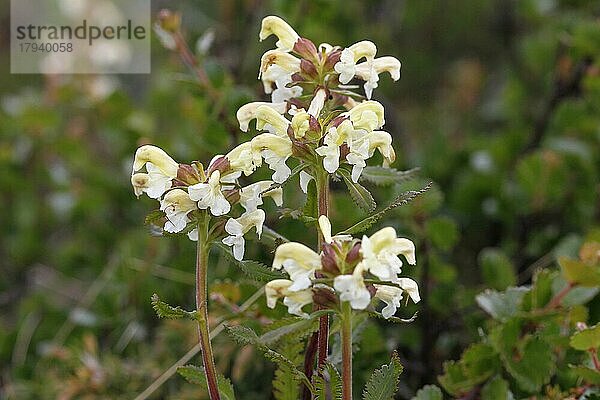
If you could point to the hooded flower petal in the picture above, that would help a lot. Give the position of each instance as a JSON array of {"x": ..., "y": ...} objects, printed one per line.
[
  {"x": 368, "y": 115},
  {"x": 285, "y": 61},
  {"x": 275, "y": 150},
  {"x": 380, "y": 254},
  {"x": 410, "y": 287},
  {"x": 242, "y": 158},
  {"x": 247, "y": 112},
  {"x": 209, "y": 195},
  {"x": 352, "y": 288},
  {"x": 299, "y": 262},
  {"x": 294, "y": 300},
  {"x": 238, "y": 227},
  {"x": 176, "y": 206},
  {"x": 391, "y": 296},
  {"x": 251, "y": 196},
  {"x": 346, "y": 67},
  {"x": 268, "y": 118},
  {"x": 158, "y": 157},
  {"x": 273, "y": 25}
]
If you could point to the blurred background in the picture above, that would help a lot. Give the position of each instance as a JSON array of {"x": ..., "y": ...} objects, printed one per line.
[{"x": 498, "y": 105}]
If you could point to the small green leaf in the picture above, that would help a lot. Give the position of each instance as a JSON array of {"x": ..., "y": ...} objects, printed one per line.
[
  {"x": 328, "y": 384},
  {"x": 496, "y": 389},
  {"x": 383, "y": 383},
  {"x": 588, "y": 374},
  {"x": 429, "y": 392},
  {"x": 242, "y": 334},
  {"x": 360, "y": 195},
  {"x": 195, "y": 375},
  {"x": 478, "y": 363},
  {"x": 386, "y": 176},
  {"x": 496, "y": 269},
  {"x": 501, "y": 305},
  {"x": 299, "y": 327},
  {"x": 586, "y": 339},
  {"x": 164, "y": 310},
  {"x": 579, "y": 273},
  {"x": 254, "y": 269}
]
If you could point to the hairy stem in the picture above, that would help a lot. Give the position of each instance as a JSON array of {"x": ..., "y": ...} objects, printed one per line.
[
  {"x": 323, "y": 208},
  {"x": 346, "y": 351},
  {"x": 319, "y": 341},
  {"x": 208, "y": 360}
]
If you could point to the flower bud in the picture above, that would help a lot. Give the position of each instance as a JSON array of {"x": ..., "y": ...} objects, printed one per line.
[
  {"x": 324, "y": 297},
  {"x": 308, "y": 69},
  {"x": 169, "y": 21},
  {"x": 332, "y": 59},
  {"x": 219, "y": 163},
  {"x": 353, "y": 256},
  {"x": 329, "y": 260},
  {"x": 187, "y": 174},
  {"x": 306, "y": 49}
]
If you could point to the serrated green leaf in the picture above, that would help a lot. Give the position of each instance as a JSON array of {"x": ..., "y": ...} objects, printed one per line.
[
  {"x": 534, "y": 366},
  {"x": 285, "y": 383},
  {"x": 586, "y": 339},
  {"x": 253, "y": 269},
  {"x": 385, "y": 175},
  {"x": 477, "y": 364},
  {"x": 496, "y": 389},
  {"x": 195, "y": 375},
  {"x": 246, "y": 336},
  {"x": 328, "y": 384},
  {"x": 383, "y": 383},
  {"x": 529, "y": 360},
  {"x": 298, "y": 327},
  {"x": 496, "y": 269},
  {"x": 429, "y": 392},
  {"x": 164, "y": 310},
  {"x": 588, "y": 374},
  {"x": 580, "y": 273},
  {"x": 501, "y": 305},
  {"x": 401, "y": 200},
  {"x": 359, "y": 194},
  {"x": 242, "y": 334}
]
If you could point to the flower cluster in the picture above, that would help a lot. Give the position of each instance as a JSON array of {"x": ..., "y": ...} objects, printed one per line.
[
  {"x": 313, "y": 115},
  {"x": 347, "y": 269},
  {"x": 184, "y": 190}
]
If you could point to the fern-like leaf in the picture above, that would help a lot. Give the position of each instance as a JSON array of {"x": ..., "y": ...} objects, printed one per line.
[
  {"x": 164, "y": 310},
  {"x": 383, "y": 384},
  {"x": 401, "y": 200},
  {"x": 328, "y": 384}
]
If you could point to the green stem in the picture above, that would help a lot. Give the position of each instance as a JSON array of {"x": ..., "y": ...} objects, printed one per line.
[
  {"x": 323, "y": 208},
  {"x": 346, "y": 351},
  {"x": 203, "y": 248}
]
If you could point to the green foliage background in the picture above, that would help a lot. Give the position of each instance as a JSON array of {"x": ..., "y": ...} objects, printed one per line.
[{"x": 498, "y": 105}]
